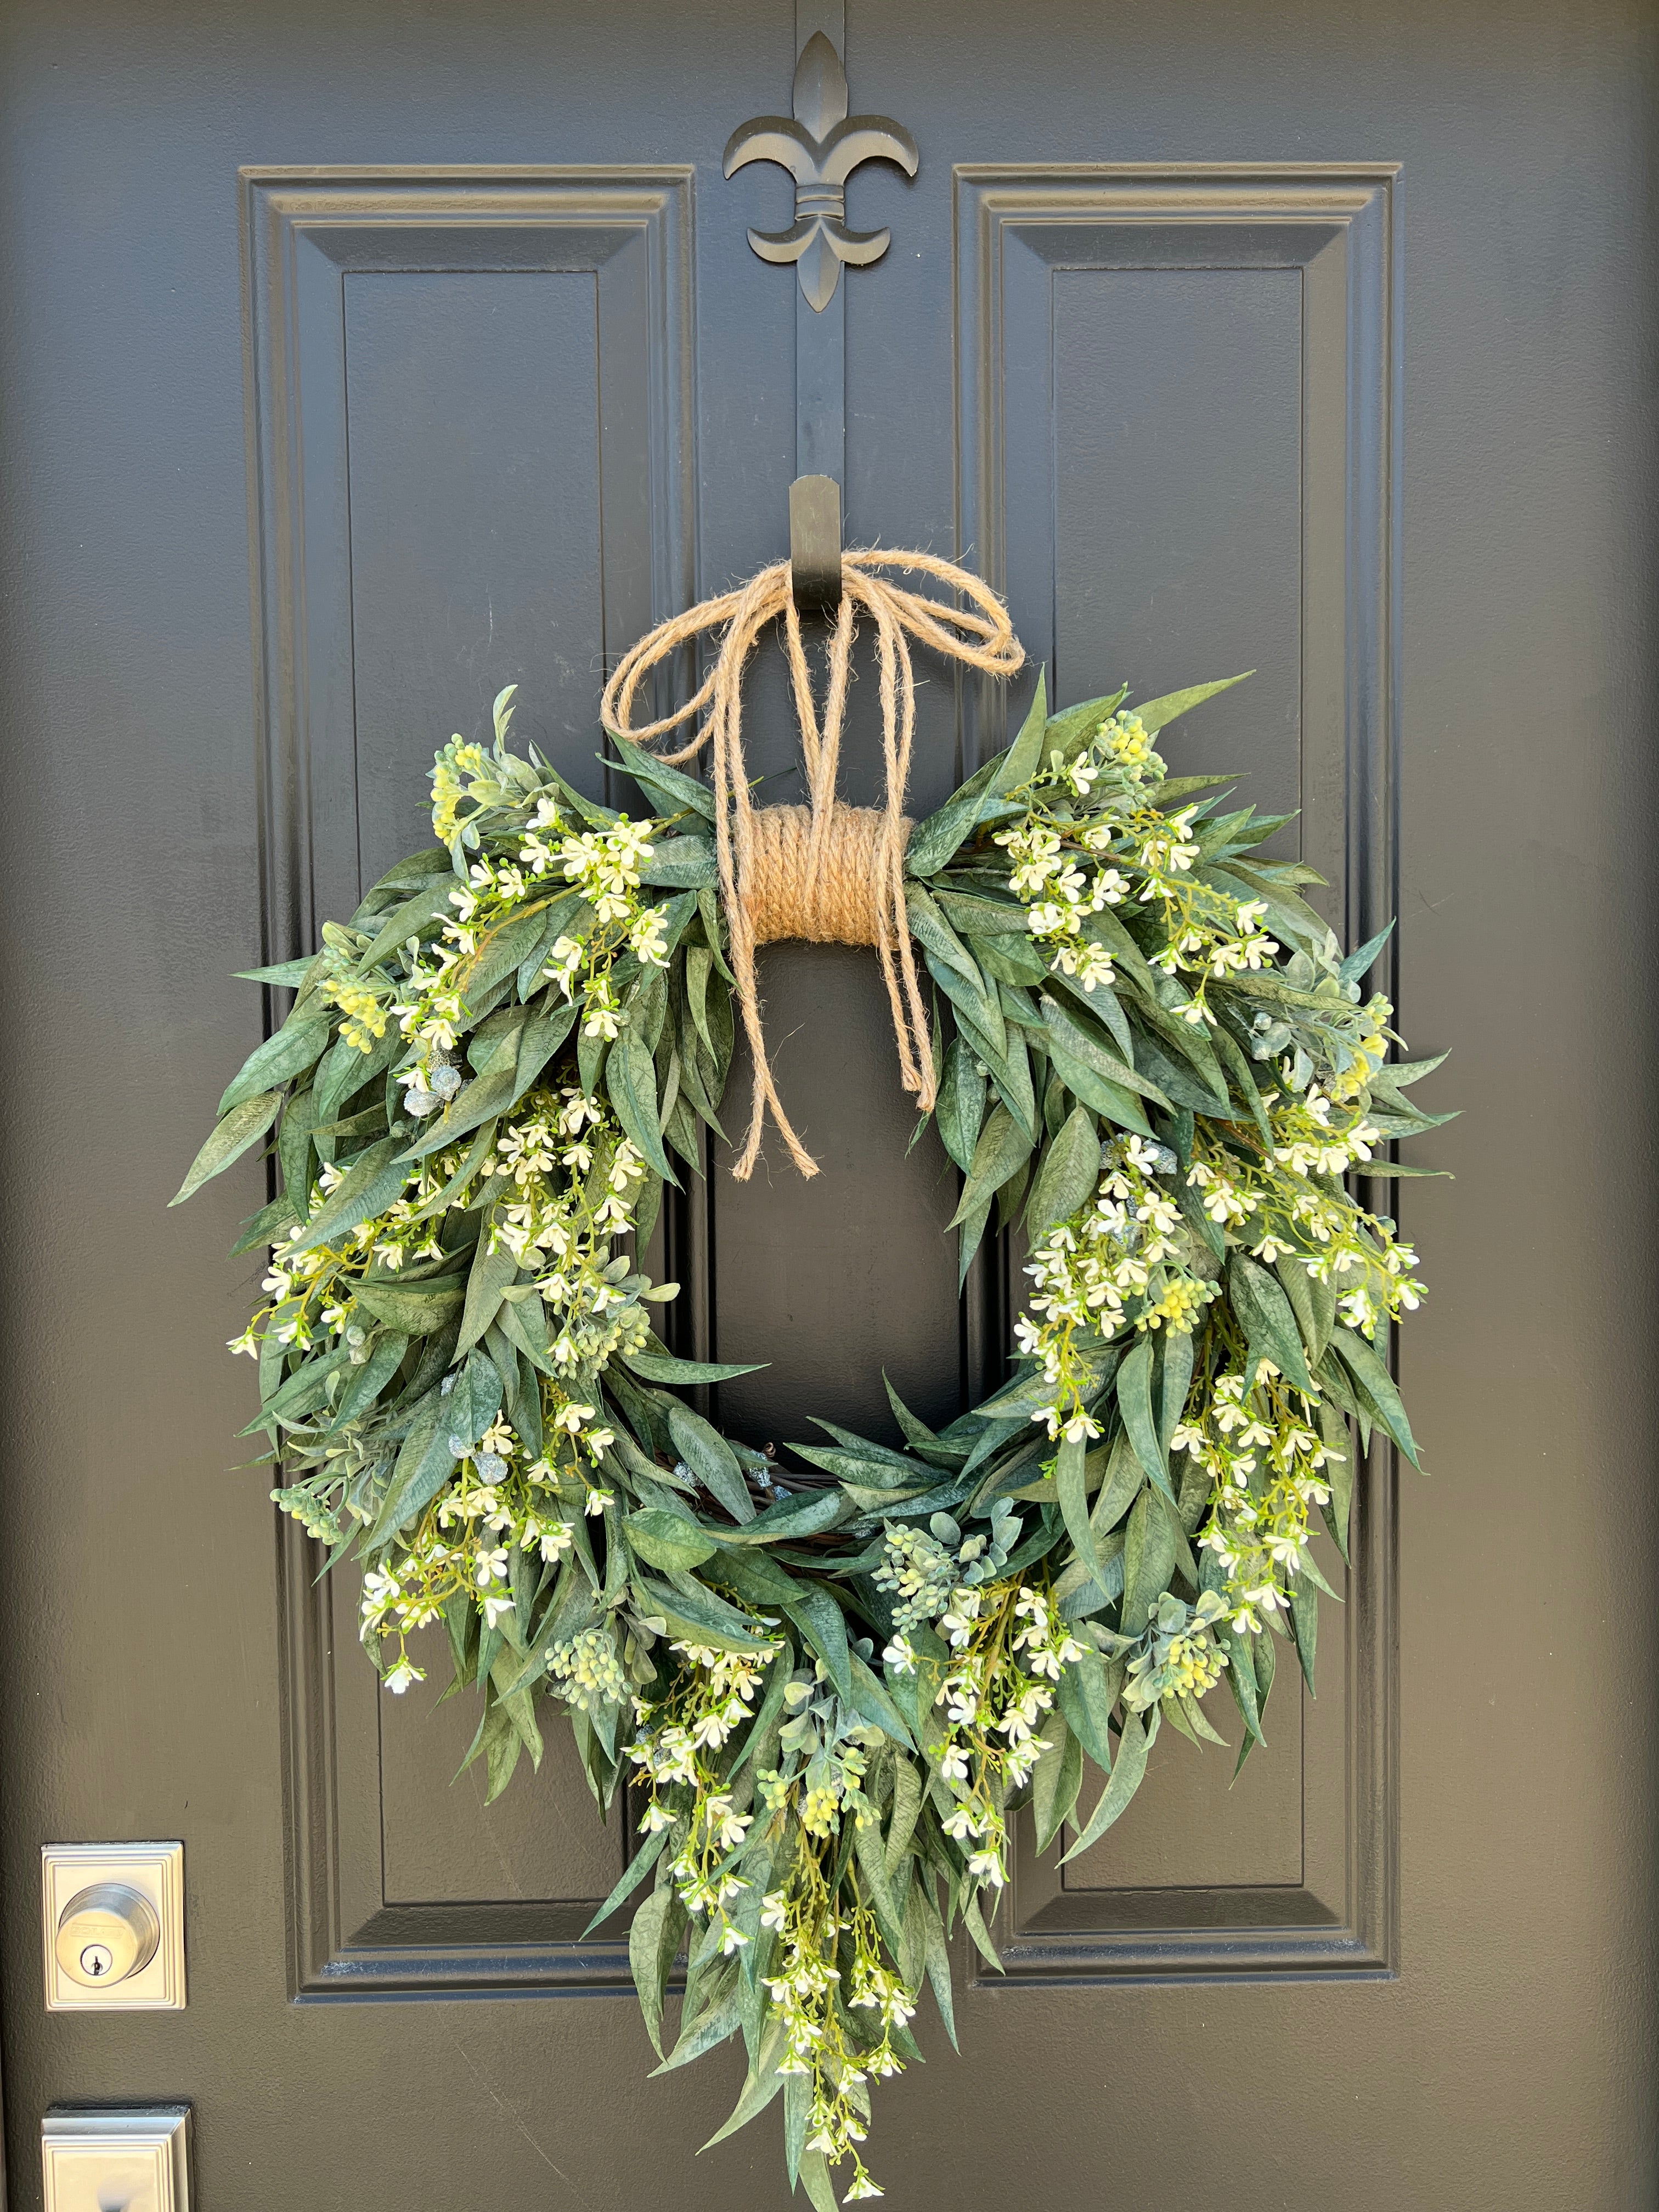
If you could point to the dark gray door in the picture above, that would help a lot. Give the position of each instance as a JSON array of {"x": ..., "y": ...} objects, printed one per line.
[{"x": 470, "y": 376}]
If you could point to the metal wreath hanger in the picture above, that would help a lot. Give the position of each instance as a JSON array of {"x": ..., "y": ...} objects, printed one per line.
[{"x": 820, "y": 146}]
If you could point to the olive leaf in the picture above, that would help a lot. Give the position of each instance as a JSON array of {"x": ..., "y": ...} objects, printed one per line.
[{"x": 243, "y": 1126}]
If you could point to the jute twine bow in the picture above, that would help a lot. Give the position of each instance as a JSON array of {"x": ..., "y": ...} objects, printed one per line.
[{"x": 825, "y": 872}]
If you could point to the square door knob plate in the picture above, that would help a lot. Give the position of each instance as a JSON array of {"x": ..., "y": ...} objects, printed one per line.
[
  {"x": 113, "y": 1923},
  {"x": 117, "y": 2161}
]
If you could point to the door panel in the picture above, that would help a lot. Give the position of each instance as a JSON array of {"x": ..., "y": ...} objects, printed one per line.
[{"x": 515, "y": 387}]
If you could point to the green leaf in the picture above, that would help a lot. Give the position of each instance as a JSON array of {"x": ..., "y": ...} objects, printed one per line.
[
  {"x": 295, "y": 1046},
  {"x": 815, "y": 2178},
  {"x": 662, "y": 1367},
  {"x": 1305, "y": 1620},
  {"x": 667, "y": 1539},
  {"x": 416, "y": 1309},
  {"x": 1158, "y": 714},
  {"x": 1074, "y": 728},
  {"x": 974, "y": 915},
  {"x": 474, "y": 1400},
  {"x": 1175, "y": 1375},
  {"x": 486, "y": 1286},
  {"x": 1074, "y": 1502},
  {"x": 1134, "y": 1398},
  {"x": 1339, "y": 1472},
  {"x": 631, "y": 1080},
  {"x": 806, "y": 1513},
  {"x": 1171, "y": 1053},
  {"x": 263, "y": 1227},
  {"x": 908, "y": 1793},
  {"x": 370, "y": 1379},
  {"x": 243, "y": 1126},
  {"x": 763, "y": 2082},
  {"x": 406, "y": 921},
  {"x": 423, "y": 1466},
  {"x": 1354, "y": 968},
  {"x": 1085, "y": 1700},
  {"x": 1077, "y": 1045},
  {"x": 653, "y": 775},
  {"x": 712, "y": 1460},
  {"x": 1068, "y": 1174},
  {"x": 1003, "y": 1148},
  {"x": 1149, "y": 1559},
  {"x": 1131, "y": 1764},
  {"x": 1313, "y": 1303},
  {"x": 286, "y": 974},
  {"x": 978, "y": 1009},
  {"x": 932, "y": 931},
  {"x": 1056, "y": 1781},
  {"x": 934, "y": 842},
  {"x": 375, "y": 1178},
  {"x": 939, "y": 1956},
  {"x": 632, "y": 1875},
  {"x": 820, "y": 1620},
  {"x": 1363, "y": 1363},
  {"x": 1026, "y": 754},
  {"x": 960, "y": 1110},
  {"x": 871, "y": 1702},
  {"x": 681, "y": 863},
  {"x": 1125, "y": 1478},
  {"x": 652, "y": 1941},
  {"x": 699, "y": 1619},
  {"x": 1111, "y": 1099},
  {"x": 1269, "y": 1324}
]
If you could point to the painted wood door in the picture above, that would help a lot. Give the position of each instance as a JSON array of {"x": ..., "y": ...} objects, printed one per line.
[{"x": 434, "y": 337}]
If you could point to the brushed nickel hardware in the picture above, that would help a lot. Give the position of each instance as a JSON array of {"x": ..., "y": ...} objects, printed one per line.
[
  {"x": 821, "y": 147},
  {"x": 114, "y": 2161},
  {"x": 106, "y": 1933},
  {"x": 113, "y": 1923}
]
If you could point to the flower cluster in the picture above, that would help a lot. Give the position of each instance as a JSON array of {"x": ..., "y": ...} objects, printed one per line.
[
  {"x": 587, "y": 1670},
  {"x": 1005, "y": 1646},
  {"x": 1178, "y": 1656},
  {"x": 817, "y": 2001},
  {"x": 1265, "y": 1446},
  {"x": 494, "y": 1510},
  {"x": 592, "y": 928},
  {"x": 1127, "y": 1257},
  {"x": 1091, "y": 839},
  {"x": 924, "y": 1567}
]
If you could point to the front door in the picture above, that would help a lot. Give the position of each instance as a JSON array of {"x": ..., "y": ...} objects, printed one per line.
[{"x": 435, "y": 336}]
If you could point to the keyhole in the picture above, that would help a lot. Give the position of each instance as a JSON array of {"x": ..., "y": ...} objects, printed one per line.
[{"x": 95, "y": 1962}]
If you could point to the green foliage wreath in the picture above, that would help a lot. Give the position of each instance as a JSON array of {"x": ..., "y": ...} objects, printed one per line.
[{"x": 829, "y": 1689}]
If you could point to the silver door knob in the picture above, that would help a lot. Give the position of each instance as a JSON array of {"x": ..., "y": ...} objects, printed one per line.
[{"x": 104, "y": 1933}]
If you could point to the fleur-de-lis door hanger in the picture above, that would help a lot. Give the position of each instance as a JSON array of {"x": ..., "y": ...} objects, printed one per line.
[{"x": 821, "y": 148}]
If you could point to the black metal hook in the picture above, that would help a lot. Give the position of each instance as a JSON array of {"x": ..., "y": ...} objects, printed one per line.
[{"x": 814, "y": 545}]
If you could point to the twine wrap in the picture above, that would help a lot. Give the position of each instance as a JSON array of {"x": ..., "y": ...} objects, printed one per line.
[{"x": 830, "y": 873}]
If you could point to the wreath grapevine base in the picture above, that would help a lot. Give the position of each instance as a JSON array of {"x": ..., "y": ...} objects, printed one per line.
[{"x": 830, "y": 1692}]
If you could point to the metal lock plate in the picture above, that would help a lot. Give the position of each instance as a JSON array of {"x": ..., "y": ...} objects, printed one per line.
[
  {"x": 117, "y": 2161},
  {"x": 113, "y": 1923}
]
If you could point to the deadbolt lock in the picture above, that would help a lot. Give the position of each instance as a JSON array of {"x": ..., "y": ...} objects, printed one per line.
[
  {"x": 106, "y": 1933},
  {"x": 114, "y": 1926}
]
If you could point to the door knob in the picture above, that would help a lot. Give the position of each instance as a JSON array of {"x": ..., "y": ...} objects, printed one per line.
[{"x": 106, "y": 1933}]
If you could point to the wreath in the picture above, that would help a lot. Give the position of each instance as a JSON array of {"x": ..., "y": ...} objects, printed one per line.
[{"x": 828, "y": 1685}]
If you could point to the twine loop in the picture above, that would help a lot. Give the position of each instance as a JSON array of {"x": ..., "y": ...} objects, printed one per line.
[{"x": 831, "y": 873}]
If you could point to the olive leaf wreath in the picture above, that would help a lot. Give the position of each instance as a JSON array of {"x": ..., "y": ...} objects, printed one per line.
[{"x": 829, "y": 1688}]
